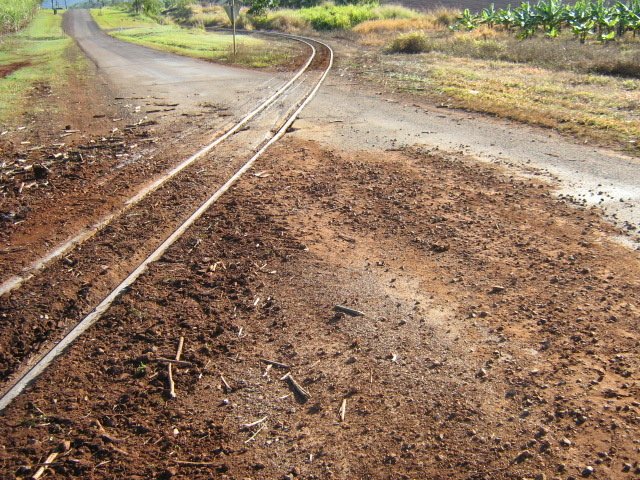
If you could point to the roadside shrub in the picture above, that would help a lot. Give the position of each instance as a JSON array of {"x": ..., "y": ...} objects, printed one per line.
[
  {"x": 281, "y": 20},
  {"x": 445, "y": 16},
  {"x": 395, "y": 25},
  {"x": 619, "y": 68},
  {"x": 414, "y": 42}
]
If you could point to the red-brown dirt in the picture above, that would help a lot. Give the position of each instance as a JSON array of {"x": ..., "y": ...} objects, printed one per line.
[
  {"x": 498, "y": 339},
  {"x": 12, "y": 67}
]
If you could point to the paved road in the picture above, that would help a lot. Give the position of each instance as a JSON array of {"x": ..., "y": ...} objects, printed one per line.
[{"x": 137, "y": 71}]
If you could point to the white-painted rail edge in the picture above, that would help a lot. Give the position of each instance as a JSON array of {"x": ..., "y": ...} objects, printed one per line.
[
  {"x": 39, "y": 264},
  {"x": 90, "y": 319}
]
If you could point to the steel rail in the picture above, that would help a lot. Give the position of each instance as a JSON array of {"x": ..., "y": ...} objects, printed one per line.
[
  {"x": 31, "y": 270},
  {"x": 27, "y": 377}
]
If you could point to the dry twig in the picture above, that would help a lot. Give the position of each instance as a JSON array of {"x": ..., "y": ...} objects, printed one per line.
[
  {"x": 172, "y": 385},
  {"x": 282, "y": 366},
  {"x": 343, "y": 409},
  {"x": 296, "y": 387}
]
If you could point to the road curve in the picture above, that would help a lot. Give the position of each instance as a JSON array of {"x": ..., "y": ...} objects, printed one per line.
[{"x": 139, "y": 71}]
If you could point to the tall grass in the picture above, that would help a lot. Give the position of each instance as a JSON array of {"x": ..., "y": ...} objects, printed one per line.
[
  {"x": 15, "y": 14},
  {"x": 330, "y": 17}
]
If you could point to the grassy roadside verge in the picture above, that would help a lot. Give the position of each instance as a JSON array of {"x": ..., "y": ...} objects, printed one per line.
[
  {"x": 556, "y": 83},
  {"x": 31, "y": 58},
  {"x": 600, "y": 108},
  {"x": 198, "y": 43}
]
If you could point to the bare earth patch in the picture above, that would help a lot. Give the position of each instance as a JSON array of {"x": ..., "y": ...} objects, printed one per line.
[
  {"x": 499, "y": 338},
  {"x": 12, "y": 67}
]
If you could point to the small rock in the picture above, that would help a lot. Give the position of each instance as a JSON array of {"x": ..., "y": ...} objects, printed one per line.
[
  {"x": 626, "y": 467},
  {"x": 497, "y": 289},
  {"x": 588, "y": 471},
  {"x": 541, "y": 476},
  {"x": 565, "y": 442},
  {"x": 391, "y": 459},
  {"x": 482, "y": 373},
  {"x": 542, "y": 431},
  {"x": 522, "y": 456}
]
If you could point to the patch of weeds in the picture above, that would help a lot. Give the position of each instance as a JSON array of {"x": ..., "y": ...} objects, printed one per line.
[
  {"x": 140, "y": 371},
  {"x": 414, "y": 42}
]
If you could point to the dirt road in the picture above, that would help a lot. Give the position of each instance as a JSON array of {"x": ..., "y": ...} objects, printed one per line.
[{"x": 499, "y": 338}]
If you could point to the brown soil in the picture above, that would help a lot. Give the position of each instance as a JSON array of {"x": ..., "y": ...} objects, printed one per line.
[
  {"x": 499, "y": 337},
  {"x": 80, "y": 156},
  {"x": 12, "y": 67}
]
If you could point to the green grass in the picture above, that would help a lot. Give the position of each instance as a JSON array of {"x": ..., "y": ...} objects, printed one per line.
[
  {"x": 196, "y": 43},
  {"x": 15, "y": 14},
  {"x": 42, "y": 45},
  {"x": 115, "y": 18}
]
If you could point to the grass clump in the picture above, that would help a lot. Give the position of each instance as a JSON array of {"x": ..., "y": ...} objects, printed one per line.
[
  {"x": 33, "y": 56},
  {"x": 15, "y": 14},
  {"x": 414, "y": 42}
]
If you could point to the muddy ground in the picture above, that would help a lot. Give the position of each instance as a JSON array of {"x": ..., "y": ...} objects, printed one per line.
[{"x": 499, "y": 336}]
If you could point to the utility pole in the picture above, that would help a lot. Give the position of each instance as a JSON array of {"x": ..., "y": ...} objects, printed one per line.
[{"x": 233, "y": 16}]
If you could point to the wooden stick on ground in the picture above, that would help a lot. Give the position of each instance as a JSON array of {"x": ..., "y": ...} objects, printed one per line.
[
  {"x": 62, "y": 448},
  {"x": 343, "y": 409},
  {"x": 50, "y": 459},
  {"x": 254, "y": 435},
  {"x": 273, "y": 363},
  {"x": 296, "y": 387},
  {"x": 227, "y": 387},
  {"x": 253, "y": 424},
  {"x": 172, "y": 385},
  {"x": 177, "y": 363},
  {"x": 348, "y": 311}
]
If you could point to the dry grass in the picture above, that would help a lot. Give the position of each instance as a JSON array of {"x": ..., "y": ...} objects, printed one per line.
[
  {"x": 589, "y": 106},
  {"x": 438, "y": 19},
  {"x": 212, "y": 16}
]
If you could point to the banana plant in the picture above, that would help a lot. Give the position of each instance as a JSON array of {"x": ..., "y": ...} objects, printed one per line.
[
  {"x": 579, "y": 20},
  {"x": 526, "y": 20},
  {"x": 467, "y": 20},
  {"x": 550, "y": 14},
  {"x": 605, "y": 20},
  {"x": 488, "y": 16},
  {"x": 506, "y": 18}
]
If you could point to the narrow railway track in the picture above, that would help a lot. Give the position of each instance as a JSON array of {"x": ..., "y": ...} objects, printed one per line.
[{"x": 69, "y": 289}]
